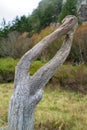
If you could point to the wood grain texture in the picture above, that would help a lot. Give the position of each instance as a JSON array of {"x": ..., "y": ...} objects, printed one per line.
[{"x": 28, "y": 90}]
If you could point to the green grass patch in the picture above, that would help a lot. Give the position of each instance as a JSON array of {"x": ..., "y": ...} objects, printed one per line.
[{"x": 58, "y": 110}]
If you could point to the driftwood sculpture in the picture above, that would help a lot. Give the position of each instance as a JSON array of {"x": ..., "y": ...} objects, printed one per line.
[{"x": 28, "y": 90}]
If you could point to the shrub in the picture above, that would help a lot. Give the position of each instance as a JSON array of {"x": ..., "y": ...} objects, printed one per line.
[
  {"x": 78, "y": 52},
  {"x": 7, "y": 68},
  {"x": 72, "y": 77},
  {"x": 68, "y": 76},
  {"x": 35, "y": 66},
  {"x": 15, "y": 45}
]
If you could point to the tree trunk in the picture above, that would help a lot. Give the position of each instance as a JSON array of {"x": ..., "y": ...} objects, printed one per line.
[{"x": 28, "y": 90}]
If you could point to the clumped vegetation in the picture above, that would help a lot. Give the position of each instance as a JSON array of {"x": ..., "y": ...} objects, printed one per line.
[
  {"x": 25, "y": 32},
  {"x": 70, "y": 77},
  {"x": 15, "y": 45},
  {"x": 58, "y": 110},
  {"x": 7, "y": 69},
  {"x": 73, "y": 78}
]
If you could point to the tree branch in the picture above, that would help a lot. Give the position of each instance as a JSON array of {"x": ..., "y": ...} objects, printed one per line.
[
  {"x": 44, "y": 74},
  {"x": 25, "y": 62}
]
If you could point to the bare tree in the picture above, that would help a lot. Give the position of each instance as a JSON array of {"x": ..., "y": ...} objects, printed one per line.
[
  {"x": 12, "y": 45},
  {"x": 28, "y": 90}
]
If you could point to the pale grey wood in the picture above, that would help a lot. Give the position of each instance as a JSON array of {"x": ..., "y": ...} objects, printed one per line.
[{"x": 28, "y": 90}]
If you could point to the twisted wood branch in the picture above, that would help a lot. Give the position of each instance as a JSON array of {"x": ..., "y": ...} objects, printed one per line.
[{"x": 29, "y": 89}]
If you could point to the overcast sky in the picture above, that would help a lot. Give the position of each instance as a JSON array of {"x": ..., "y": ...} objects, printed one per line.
[{"x": 9, "y": 9}]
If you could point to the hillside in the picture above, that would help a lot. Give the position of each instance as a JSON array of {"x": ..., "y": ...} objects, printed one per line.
[
  {"x": 81, "y": 9},
  {"x": 25, "y": 32},
  {"x": 47, "y": 12},
  {"x": 80, "y": 2}
]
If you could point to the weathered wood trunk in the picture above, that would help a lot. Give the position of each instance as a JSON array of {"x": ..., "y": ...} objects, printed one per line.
[{"x": 28, "y": 90}]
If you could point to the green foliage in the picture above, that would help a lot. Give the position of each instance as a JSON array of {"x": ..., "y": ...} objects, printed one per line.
[
  {"x": 20, "y": 24},
  {"x": 35, "y": 66},
  {"x": 7, "y": 64},
  {"x": 7, "y": 68},
  {"x": 69, "y": 8},
  {"x": 68, "y": 76},
  {"x": 46, "y": 13},
  {"x": 5, "y": 29},
  {"x": 59, "y": 109}
]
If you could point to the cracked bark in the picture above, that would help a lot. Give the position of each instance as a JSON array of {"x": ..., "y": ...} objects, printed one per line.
[{"x": 28, "y": 90}]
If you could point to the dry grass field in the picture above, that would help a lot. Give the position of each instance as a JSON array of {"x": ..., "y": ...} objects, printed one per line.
[{"x": 58, "y": 110}]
